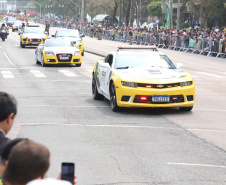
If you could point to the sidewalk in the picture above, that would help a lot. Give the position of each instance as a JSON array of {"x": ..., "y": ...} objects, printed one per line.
[{"x": 103, "y": 47}]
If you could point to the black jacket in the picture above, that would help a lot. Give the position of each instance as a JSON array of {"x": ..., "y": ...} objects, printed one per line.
[{"x": 3, "y": 141}]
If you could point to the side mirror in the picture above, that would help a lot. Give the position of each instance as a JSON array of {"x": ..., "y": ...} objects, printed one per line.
[{"x": 179, "y": 65}]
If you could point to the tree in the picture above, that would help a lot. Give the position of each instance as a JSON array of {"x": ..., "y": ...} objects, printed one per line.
[{"x": 154, "y": 8}]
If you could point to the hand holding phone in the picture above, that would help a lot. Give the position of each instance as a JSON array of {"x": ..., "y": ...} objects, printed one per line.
[{"x": 68, "y": 172}]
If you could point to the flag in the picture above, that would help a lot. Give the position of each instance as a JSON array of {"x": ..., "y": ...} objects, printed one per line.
[
  {"x": 88, "y": 18},
  {"x": 144, "y": 24},
  {"x": 167, "y": 16}
]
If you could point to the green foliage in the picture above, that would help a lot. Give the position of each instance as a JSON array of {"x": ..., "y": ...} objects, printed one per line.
[
  {"x": 154, "y": 8},
  {"x": 185, "y": 25}
]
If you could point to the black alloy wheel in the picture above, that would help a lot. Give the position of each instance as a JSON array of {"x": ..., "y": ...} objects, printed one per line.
[
  {"x": 113, "y": 98},
  {"x": 96, "y": 95}
]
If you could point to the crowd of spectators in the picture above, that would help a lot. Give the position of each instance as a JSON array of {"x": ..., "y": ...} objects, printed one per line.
[{"x": 194, "y": 39}]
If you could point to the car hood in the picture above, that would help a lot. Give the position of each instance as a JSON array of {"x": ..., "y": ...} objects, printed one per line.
[
  {"x": 75, "y": 39},
  {"x": 152, "y": 75},
  {"x": 34, "y": 35},
  {"x": 59, "y": 50}
]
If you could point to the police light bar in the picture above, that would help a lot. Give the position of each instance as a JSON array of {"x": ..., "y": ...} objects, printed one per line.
[{"x": 153, "y": 48}]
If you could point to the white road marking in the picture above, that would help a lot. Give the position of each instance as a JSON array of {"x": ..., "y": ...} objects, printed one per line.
[
  {"x": 7, "y": 74},
  {"x": 8, "y": 59},
  {"x": 37, "y": 73},
  {"x": 67, "y": 73},
  {"x": 210, "y": 74},
  {"x": 199, "y": 165}
]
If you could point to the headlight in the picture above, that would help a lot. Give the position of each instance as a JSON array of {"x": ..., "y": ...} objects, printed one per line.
[
  {"x": 182, "y": 84},
  {"x": 129, "y": 84},
  {"x": 77, "y": 53},
  {"x": 49, "y": 53}
]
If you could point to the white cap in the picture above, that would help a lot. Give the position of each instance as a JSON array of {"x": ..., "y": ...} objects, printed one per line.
[{"x": 48, "y": 181}]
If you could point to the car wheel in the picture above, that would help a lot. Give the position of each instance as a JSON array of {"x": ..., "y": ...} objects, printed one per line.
[
  {"x": 42, "y": 62},
  {"x": 78, "y": 65},
  {"x": 96, "y": 95},
  {"x": 3, "y": 39},
  {"x": 22, "y": 45},
  {"x": 83, "y": 53},
  {"x": 113, "y": 98},
  {"x": 12, "y": 30},
  {"x": 185, "y": 108}
]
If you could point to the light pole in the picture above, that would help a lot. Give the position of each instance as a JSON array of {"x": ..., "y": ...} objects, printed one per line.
[
  {"x": 40, "y": 6},
  {"x": 61, "y": 7},
  {"x": 77, "y": 6}
]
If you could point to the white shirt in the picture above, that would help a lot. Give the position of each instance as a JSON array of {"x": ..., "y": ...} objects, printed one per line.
[{"x": 48, "y": 181}]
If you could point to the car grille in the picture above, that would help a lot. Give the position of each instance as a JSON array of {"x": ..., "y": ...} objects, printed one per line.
[
  {"x": 159, "y": 86},
  {"x": 180, "y": 99},
  {"x": 64, "y": 55}
]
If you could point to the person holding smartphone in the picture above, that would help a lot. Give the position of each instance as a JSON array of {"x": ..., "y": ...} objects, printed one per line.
[{"x": 23, "y": 157}]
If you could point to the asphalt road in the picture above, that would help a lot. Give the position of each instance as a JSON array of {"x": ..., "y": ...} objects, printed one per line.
[{"x": 135, "y": 146}]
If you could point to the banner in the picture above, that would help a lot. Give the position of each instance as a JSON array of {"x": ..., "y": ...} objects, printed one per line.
[
  {"x": 167, "y": 16},
  {"x": 192, "y": 43}
]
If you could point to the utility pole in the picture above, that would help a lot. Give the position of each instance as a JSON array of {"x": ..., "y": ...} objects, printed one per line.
[
  {"x": 178, "y": 14},
  {"x": 120, "y": 15},
  {"x": 82, "y": 12},
  {"x": 140, "y": 10},
  {"x": 171, "y": 13},
  {"x": 130, "y": 14}
]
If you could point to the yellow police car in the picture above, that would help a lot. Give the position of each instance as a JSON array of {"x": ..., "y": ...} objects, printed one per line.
[
  {"x": 57, "y": 51},
  {"x": 32, "y": 36},
  {"x": 16, "y": 25},
  {"x": 142, "y": 77},
  {"x": 74, "y": 35}
]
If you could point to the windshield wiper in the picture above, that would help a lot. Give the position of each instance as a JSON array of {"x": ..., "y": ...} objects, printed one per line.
[{"x": 126, "y": 67}]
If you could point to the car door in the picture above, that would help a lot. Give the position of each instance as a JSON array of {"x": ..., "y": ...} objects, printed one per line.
[
  {"x": 105, "y": 73},
  {"x": 39, "y": 51}
]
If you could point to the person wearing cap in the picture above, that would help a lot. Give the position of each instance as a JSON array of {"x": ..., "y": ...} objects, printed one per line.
[
  {"x": 8, "y": 111},
  {"x": 28, "y": 163}
]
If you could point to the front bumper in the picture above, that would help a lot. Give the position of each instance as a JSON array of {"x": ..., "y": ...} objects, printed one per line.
[
  {"x": 26, "y": 42},
  {"x": 53, "y": 59},
  {"x": 130, "y": 97}
]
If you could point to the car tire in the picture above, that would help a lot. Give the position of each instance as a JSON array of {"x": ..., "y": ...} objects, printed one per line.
[
  {"x": 83, "y": 53},
  {"x": 78, "y": 65},
  {"x": 186, "y": 108},
  {"x": 22, "y": 45},
  {"x": 96, "y": 95},
  {"x": 42, "y": 62},
  {"x": 3, "y": 39},
  {"x": 12, "y": 30},
  {"x": 113, "y": 99}
]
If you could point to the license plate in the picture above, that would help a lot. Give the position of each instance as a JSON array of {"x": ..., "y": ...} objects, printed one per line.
[
  {"x": 34, "y": 43},
  {"x": 160, "y": 98},
  {"x": 64, "y": 58}
]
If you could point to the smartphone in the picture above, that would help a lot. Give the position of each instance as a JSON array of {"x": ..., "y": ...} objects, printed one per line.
[{"x": 68, "y": 172}]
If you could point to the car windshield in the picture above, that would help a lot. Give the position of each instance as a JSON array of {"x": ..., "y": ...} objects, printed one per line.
[
  {"x": 68, "y": 33},
  {"x": 17, "y": 23},
  {"x": 124, "y": 61},
  {"x": 32, "y": 30},
  {"x": 57, "y": 43}
]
